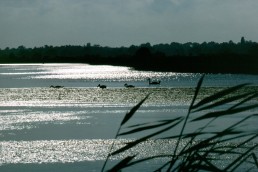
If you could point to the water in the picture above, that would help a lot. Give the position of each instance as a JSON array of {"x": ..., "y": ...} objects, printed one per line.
[
  {"x": 82, "y": 75},
  {"x": 72, "y": 128}
]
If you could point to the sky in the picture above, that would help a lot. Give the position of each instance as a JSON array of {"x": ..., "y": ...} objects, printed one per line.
[{"x": 117, "y": 23}]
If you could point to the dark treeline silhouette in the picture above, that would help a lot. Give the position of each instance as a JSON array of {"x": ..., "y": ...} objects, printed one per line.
[{"x": 207, "y": 57}]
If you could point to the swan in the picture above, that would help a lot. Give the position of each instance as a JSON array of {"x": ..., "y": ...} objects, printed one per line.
[
  {"x": 102, "y": 86},
  {"x": 128, "y": 86},
  {"x": 153, "y": 82}
]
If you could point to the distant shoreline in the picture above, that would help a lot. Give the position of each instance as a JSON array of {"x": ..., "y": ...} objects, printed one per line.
[{"x": 211, "y": 57}]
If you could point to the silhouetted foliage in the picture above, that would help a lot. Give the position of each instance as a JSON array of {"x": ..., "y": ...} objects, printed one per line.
[
  {"x": 211, "y": 146},
  {"x": 143, "y": 53},
  {"x": 209, "y": 57}
]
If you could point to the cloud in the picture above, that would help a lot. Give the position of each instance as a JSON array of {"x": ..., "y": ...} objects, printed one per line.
[{"x": 125, "y": 22}]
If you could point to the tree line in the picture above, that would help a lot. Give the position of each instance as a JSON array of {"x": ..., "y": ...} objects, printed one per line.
[{"x": 212, "y": 57}]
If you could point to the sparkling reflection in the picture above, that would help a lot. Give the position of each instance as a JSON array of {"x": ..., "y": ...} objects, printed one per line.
[
  {"x": 28, "y": 120},
  {"x": 45, "y": 125},
  {"x": 88, "y": 72},
  {"x": 53, "y": 151},
  {"x": 64, "y": 151}
]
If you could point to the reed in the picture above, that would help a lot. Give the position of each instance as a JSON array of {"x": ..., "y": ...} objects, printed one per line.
[{"x": 203, "y": 149}]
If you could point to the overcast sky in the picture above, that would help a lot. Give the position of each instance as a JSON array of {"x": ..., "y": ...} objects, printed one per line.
[{"x": 118, "y": 23}]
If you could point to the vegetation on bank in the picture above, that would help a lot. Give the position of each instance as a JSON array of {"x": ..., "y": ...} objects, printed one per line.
[
  {"x": 211, "y": 57},
  {"x": 231, "y": 146}
]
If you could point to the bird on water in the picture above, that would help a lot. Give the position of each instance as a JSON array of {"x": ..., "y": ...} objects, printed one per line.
[
  {"x": 102, "y": 86},
  {"x": 128, "y": 86},
  {"x": 57, "y": 86}
]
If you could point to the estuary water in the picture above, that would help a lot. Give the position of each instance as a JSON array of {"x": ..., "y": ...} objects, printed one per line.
[
  {"x": 72, "y": 128},
  {"x": 83, "y": 75}
]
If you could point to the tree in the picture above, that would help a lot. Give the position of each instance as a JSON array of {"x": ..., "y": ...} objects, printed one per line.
[
  {"x": 242, "y": 40},
  {"x": 143, "y": 53}
]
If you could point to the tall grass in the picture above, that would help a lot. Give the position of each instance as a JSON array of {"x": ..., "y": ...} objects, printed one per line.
[{"x": 206, "y": 146}]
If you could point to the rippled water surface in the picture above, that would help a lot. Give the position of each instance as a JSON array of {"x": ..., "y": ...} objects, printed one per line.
[
  {"x": 72, "y": 128},
  {"x": 37, "y": 126},
  {"x": 83, "y": 75}
]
